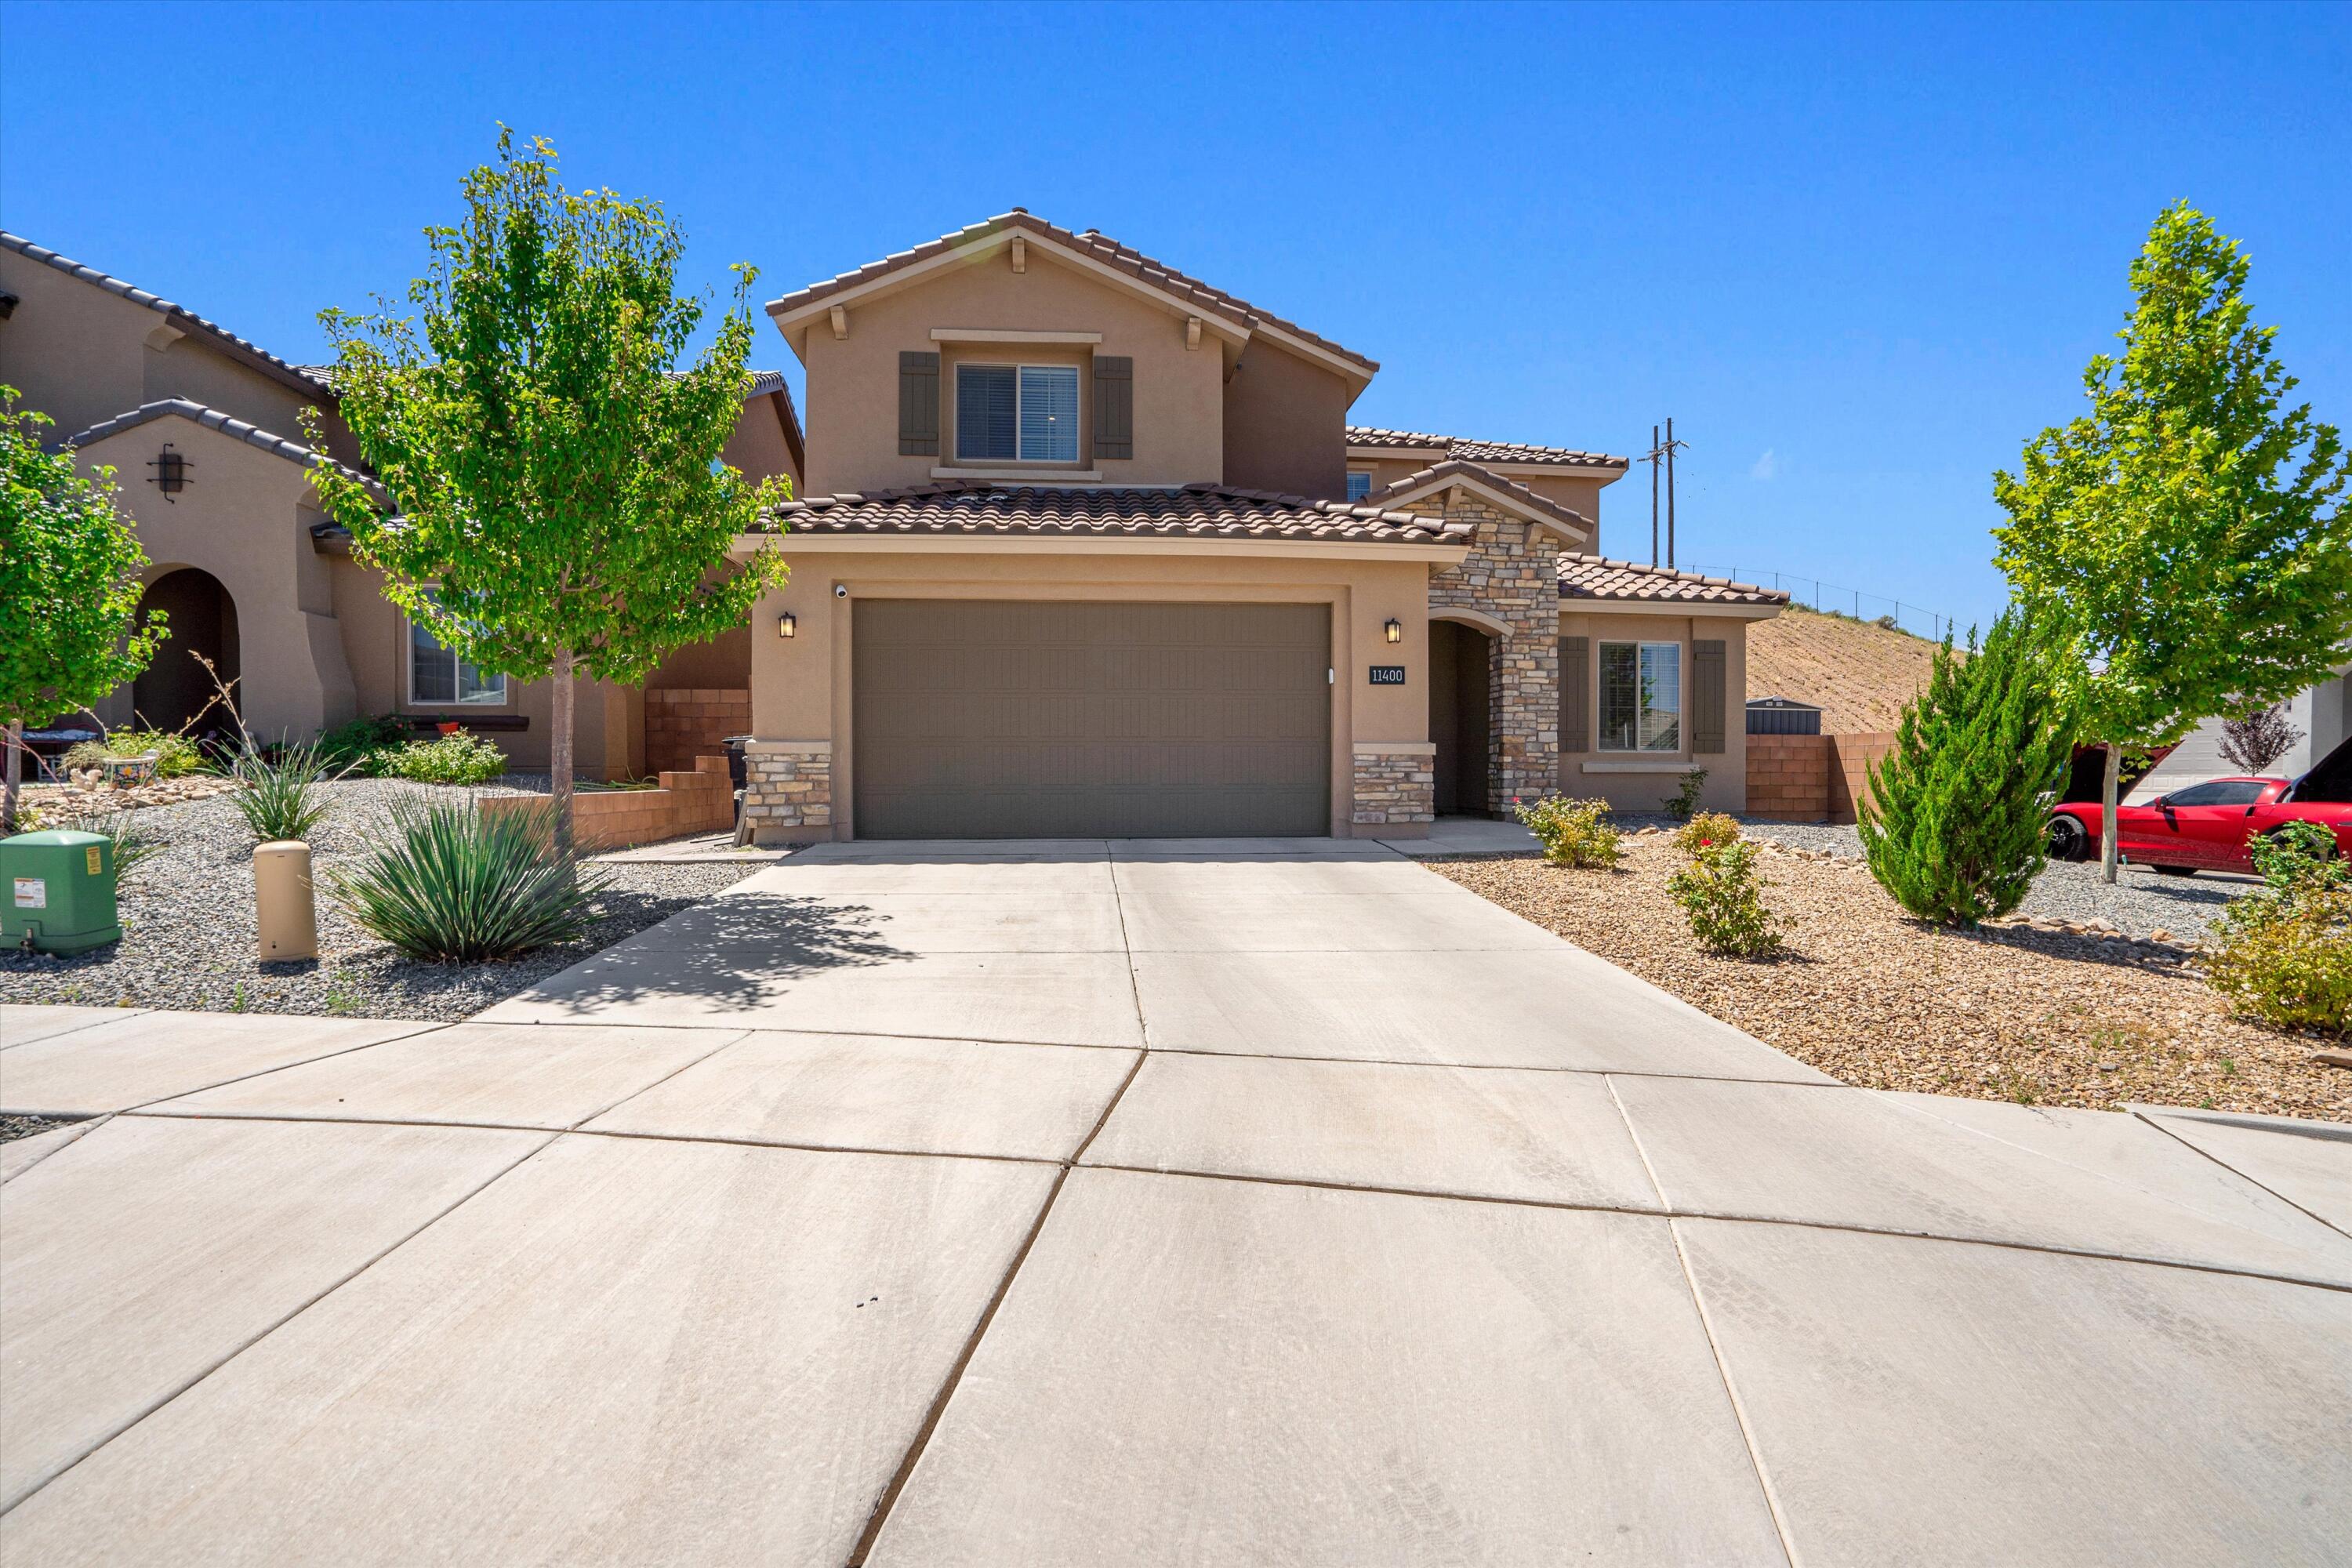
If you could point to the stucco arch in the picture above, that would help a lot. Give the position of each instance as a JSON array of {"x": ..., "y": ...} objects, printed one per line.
[
  {"x": 1492, "y": 626},
  {"x": 201, "y": 628}
]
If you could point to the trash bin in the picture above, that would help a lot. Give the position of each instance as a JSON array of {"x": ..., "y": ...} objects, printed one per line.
[
  {"x": 60, "y": 891},
  {"x": 735, "y": 774}
]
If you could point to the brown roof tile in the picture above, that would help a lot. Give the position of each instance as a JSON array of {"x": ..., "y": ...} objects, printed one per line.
[
  {"x": 1479, "y": 451},
  {"x": 1598, "y": 577},
  {"x": 1201, "y": 512},
  {"x": 1097, "y": 247}
]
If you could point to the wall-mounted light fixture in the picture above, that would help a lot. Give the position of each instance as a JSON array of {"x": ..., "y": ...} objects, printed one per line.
[
  {"x": 790, "y": 626},
  {"x": 171, "y": 475},
  {"x": 1395, "y": 630}
]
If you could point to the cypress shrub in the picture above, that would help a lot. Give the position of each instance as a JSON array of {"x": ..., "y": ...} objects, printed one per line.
[{"x": 1953, "y": 822}]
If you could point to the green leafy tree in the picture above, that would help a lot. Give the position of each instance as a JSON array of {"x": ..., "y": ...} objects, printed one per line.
[
  {"x": 1952, "y": 823},
  {"x": 70, "y": 630},
  {"x": 2186, "y": 535},
  {"x": 561, "y": 508}
]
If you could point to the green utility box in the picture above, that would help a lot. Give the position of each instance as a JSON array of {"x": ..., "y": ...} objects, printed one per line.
[{"x": 59, "y": 891}]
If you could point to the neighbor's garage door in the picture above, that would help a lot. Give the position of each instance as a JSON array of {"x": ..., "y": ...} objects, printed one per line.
[{"x": 982, "y": 719}]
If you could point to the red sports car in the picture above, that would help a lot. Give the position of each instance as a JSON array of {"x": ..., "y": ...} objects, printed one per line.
[{"x": 2205, "y": 826}]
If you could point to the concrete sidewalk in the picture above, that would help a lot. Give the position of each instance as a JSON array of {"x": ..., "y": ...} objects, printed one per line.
[{"x": 1135, "y": 1203}]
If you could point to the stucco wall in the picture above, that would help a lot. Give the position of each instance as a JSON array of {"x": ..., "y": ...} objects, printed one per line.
[
  {"x": 76, "y": 353},
  {"x": 1285, "y": 423},
  {"x": 800, "y": 687},
  {"x": 1640, "y": 781},
  {"x": 853, "y": 382}
]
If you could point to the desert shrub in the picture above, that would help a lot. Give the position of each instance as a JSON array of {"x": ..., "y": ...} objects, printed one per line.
[
  {"x": 281, "y": 792},
  {"x": 353, "y": 747},
  {"x": 1684, "y": 802},
  {"x": 1952, "y": 823},
  {"x": 1573, "y": 832},
  {"x": 457, "y": 758},
  {"x": 2283, "y": 955},
  {"x": 133, "y": 841},
  {"x": 1708, "y": 827},
  {"x": 1724, "y": 897},
  {"x": 455, "y": 884},
  {"x": 174, "y": 754}
]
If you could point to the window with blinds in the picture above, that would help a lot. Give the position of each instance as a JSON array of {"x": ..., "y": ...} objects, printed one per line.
[{"x": 1026, "y": 414}]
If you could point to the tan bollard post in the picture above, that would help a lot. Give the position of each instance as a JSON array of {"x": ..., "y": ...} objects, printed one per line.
[{"x": 283, "y": 907}]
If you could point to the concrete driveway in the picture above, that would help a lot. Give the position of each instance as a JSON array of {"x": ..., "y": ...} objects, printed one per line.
[{"x": 1133, "y": 1203}]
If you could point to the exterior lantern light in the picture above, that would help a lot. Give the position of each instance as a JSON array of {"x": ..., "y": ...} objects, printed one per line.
[
  {"x": 790, "y": 626},
  {"x": 1395, "y": 630},
  {"x": 171, "y": 474}
]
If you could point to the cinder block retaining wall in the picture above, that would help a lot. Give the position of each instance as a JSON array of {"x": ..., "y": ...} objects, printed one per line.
[
  {"x": 1812, "y": 778},
  {"x": 686, "y": 723},
  {"x": 702, "y": 801}
]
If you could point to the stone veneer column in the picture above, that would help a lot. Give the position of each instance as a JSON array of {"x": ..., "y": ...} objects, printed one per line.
[
  {"x": 1396, "y": 782},
  {"x": 788, "y": 790},
  {"x": 1512, "y": 574}
]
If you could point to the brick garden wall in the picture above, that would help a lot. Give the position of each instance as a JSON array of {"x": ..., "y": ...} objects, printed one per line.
[
  {"x": 687, "y": 722},
  {"x": 700, "y": 800},
  {"x": 1812, "y": 778}
]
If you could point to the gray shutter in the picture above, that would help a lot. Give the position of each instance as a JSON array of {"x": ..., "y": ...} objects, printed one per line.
[
  {"x": 1706, "y": 696},
  {"x": 1576, "y": 694},
  {"x": 919, "y": 404},
  {"x": 1114, "y": 406}
]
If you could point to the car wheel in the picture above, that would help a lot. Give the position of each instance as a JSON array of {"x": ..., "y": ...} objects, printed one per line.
[
  {"x": 2065, "y": 838},
  {"x": 2176, "y": 871}
]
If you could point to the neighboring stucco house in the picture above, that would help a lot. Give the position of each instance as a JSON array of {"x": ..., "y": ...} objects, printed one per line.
[
  {"x": 2322, "y": 713},
  {"x": 1088, "y": 547},
  {"x": 204, "y": 431}
]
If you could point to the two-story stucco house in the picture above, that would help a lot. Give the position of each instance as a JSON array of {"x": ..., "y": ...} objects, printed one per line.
[
  {"x": 203, "y": 429},
  {"x": 1088, "y": 547}
]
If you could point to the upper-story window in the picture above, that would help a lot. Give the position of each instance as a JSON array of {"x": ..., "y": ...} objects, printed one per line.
[
  {"x": 1641, "y": 697},
  {"x": 1359, "y": 486},
  {"x": 1017, "y": 413}
]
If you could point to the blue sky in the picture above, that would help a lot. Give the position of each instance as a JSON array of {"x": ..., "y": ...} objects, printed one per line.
[{"x": 1859, "y": 254}]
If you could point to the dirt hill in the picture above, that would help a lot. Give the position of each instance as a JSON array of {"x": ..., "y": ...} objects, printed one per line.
[{"x": 1860, "y": 675}]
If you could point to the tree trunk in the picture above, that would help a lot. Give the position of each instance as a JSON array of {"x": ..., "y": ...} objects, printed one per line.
[
  {"x": 11, "y": 752},
  {"x": 2109, "y": 833},
  {"x": 559, "y": 752}
]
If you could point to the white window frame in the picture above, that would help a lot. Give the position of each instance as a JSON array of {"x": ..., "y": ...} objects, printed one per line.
[
  {"x": 1078, "y": 412},
  {"x": 1643, "y": 738},
  {"x": 496, "y": 698},
  {"x": 1353, "y": 474}
]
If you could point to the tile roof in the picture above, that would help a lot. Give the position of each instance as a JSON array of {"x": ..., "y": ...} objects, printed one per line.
[
  {"x": 1415, "y": 441},
  {"x": 1598, "y": 577},
  {"x": 1455, "y": 469},
  {"x": 1095, "y": 246},
  {"x": 297, "y": 376},
  {"x": 976, "y": 508},
  {"x": 228, "y": 425}
]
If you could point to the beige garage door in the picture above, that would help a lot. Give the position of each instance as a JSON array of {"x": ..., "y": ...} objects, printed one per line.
[{"x": 980, "y": 719}]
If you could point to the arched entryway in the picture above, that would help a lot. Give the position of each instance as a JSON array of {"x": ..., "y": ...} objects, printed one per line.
[
  {"x": 201, "y": 618},
  {"x": 1458, "y": 720}
]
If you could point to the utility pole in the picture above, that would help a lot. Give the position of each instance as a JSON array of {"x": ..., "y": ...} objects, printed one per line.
[
  {"x": 1653, "y": 460},
  {"x": 1662, "y": 454}
]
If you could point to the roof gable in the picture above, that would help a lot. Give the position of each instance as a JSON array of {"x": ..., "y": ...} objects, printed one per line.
[
  {"x": 1090, "y": 251},
  {"x": 227, "y": 424},
  {"x": 1571, "y": 527},
  {"x": 251, "y": 355}
]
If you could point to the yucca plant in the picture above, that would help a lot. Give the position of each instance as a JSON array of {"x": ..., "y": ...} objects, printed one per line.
[
  {"x": 459, "y": 885},
  {"x": 279, "y": 795}
]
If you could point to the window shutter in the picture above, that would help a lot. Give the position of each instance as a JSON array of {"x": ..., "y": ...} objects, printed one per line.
[
  {"x": 1706, "y": 696},
  {"x": 919, "y": 404},
  {"x": 1576, "y": 694},
  {"x": 1114, "y": 406}
]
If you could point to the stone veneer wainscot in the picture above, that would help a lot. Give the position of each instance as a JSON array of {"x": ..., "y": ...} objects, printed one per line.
[
  {"x": 1395, "y": 783},
  {"x": 788, "y": 788}
]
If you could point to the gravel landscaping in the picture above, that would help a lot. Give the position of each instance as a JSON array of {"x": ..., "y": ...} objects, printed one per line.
[
  {"x": 14, "y": 1127},
  {"x": 1877, "y": 999},
  {"x": 188, "y": 928},
  {"x": 2142, "y": 903}
]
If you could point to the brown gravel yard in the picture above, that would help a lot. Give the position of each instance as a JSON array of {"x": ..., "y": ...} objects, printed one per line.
[{"x": 1881, "y": 1001}]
